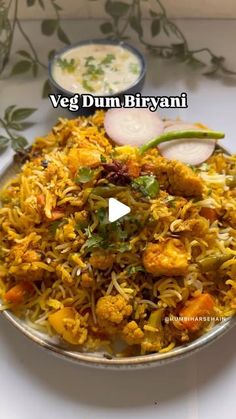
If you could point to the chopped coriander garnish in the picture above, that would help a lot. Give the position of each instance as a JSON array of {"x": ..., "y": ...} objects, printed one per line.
[
  {"x": 103, "y": 159},
  {"x": 56, "y": 224},
  {"x": 85, "y": 174},
  {"x": 134, "y": 68},
  {"x": 123, "y": 247},
  {"x": 94, "y": 241},
  {"x": 108, "y": 59},
  {"x": 87, "y": 86},
  {"x": 134, "y": 269},
  {"x": 88, "y": 60},
  {"x": 102, "y": 215},
  {"x": 148, "y": 185},
  {"x": 67, "y": 65}
]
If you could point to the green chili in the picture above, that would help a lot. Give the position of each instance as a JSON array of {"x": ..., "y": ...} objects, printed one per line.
[{"x": 177, "y": 135}]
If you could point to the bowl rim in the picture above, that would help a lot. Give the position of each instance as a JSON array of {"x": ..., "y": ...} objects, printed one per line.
[
  {"x": 101, "y": 41},
  {"x": 148, "y": 360},
  {"x": 139, "y": 361}
]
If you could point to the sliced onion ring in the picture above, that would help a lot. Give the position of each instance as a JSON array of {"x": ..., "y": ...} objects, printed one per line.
[
  {"x": 132, "y": 126},
  {"x": 192, "y": 151}
]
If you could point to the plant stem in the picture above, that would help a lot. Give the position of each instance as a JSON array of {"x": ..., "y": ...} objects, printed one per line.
[
  {"x": 30, "y": 44},
  {"x": 4, "y": 125},
  {"x": 12, "y": 32},
  {"x": 177, "y": 135}
]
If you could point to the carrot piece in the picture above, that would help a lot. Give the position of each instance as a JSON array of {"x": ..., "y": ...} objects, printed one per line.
[
  {"x": 56, "y": 214},
  {"x": 41, "y": 200},
  {"x": 201, "y": 306},
  {"x": 18, "y": 292},
  {"x": 209, "y": 213}
]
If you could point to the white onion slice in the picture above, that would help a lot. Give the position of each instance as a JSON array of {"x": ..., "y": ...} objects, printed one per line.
[
  {"x": 132, "y": 126},
  {"x": 192, "y": 151}
]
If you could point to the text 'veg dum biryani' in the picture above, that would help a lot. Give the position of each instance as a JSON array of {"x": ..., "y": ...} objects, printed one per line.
[{"x": 158, "y": 277}]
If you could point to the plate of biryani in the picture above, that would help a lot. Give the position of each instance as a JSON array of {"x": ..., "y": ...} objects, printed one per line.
[{"x": 152, "y": 286}]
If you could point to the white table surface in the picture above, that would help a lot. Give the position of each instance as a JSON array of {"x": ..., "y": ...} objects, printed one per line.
[{"x": 35, "y": 384}]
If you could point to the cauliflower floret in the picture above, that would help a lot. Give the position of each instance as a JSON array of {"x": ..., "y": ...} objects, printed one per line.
[
  {"x": 87, "y": 281},
  {"x": 166, "y": 258},
  {"x": 71, "y": 325},
  {"x": 101, "y": 260},
  {"x": 132, "y": 334},
  {"x": 183, "y": 181},
  {"x": 83, "y": 157},
  {"x": 112, "y": 309},
  {"x": 176, "y": 177}
]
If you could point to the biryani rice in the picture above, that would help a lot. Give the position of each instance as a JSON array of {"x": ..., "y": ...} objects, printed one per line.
[{"x": 54, "y": 234}]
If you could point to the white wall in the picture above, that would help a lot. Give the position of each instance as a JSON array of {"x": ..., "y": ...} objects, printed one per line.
[{"x": 176, "y": 8}]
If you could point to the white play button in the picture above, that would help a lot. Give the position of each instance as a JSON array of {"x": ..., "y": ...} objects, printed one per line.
[{"x": 116, "y": 210}]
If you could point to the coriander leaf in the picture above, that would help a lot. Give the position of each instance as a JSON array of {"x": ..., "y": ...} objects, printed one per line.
[
  {"x": 103, "y": 159},
  {"x": 67, "y": 65},
  {"x": 134, "y": 269},
  {"x": 134, "y": 68},
  {"x": 87, "y": 86},
  {"x": 123, "y": 247},
  {"x": 147, "y": 185},
  {"x": 93, "y": 241},
  {"x": 102, "y": 215},
  {"x": 108, "y": 59},
  {"x": 55, "y": 224},
  {"x": 85, "y": 174}
]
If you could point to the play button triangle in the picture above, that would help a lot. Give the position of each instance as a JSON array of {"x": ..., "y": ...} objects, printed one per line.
[{"x": 116, "y": 210}]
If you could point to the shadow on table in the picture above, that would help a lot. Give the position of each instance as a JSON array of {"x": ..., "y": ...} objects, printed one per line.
[{"x": 117, "y": 389}]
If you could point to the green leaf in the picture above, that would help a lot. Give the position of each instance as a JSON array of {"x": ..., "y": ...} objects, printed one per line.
[
  {"x": 94, "y": 241},
  {"x": 3, "y": 142},
  {"x": 123, "y": 247},
  {"x": 67, "y": 65},
  {"x": 20, "y": 126},
  {"x": 136, "y": 25},
  {"x": 62, "y": 36},
  {"x": 155, "y": 27},
  {"x": 21, "y": 67},
  {"x": 116, "y": 9},
  {"x": 152, "y": 13},
  {"x": 41, "y": 4},
  {"x": 85, "y": 174},
  {"x": 103, "y": 159},
  {"x": 8, "y": 113},
  {"x": 24, "y": 54},
  {"x": 147, "y": 185},
  {"x": 46, "y": 89},
  {"x": 30, "y": 3},
  {"x": 51, "y": 54},
  {"x": 106, "y": 27},
  {"x": 57, "y": 7},
  {"x": 22, "y": 113},
  {"x": 18, "y": 143},
  {"x": 49, "y": 26},
  {"x": 134, "y": 269}
]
